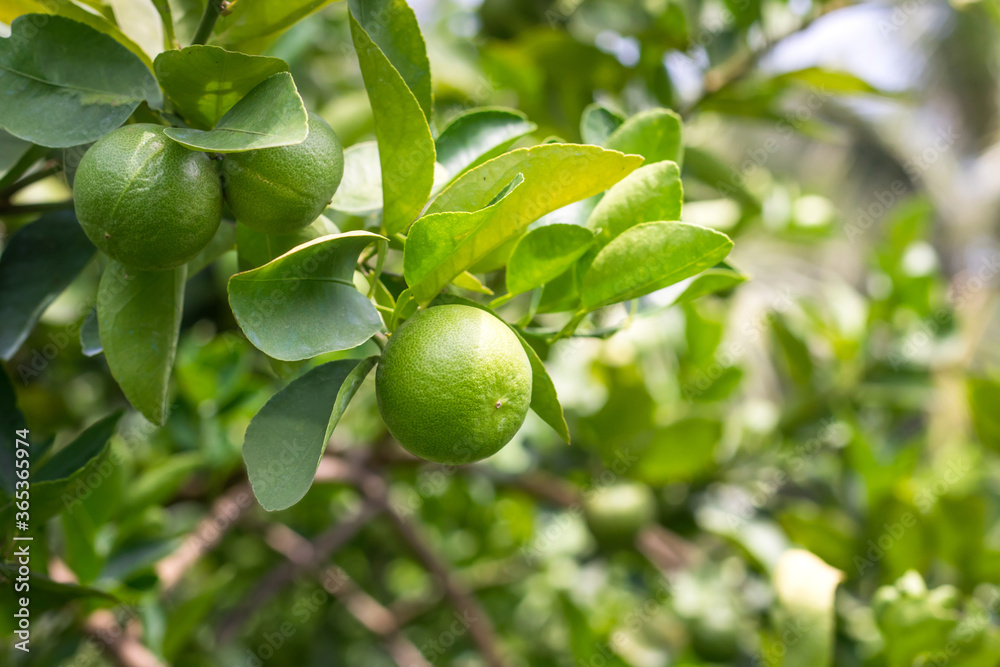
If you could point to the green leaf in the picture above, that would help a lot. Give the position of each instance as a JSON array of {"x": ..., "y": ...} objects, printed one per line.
[
  {"x": 653, "y": 134},
  {"x": 79, "y": 533},
  {"x": 11, "y": 9},
  {"x": 11, "y": 421},
  {"x": 16, "y": 157},
  {"x": 304, "y": 303},
  {"x": 544, "y": 400},
  {"x": 256, "y": 249},
  {"x": 717, "y": 279},
  {"x": 139, "y": 319},
  {"x": 598, "y": 123},
  {"x": 271, "y": 114},
  {"x": 470, "y": 282},
  {"x": 406, "y": 147},
  {"x": 286, "y": 438},
  {"x": 85, "y": 85},
  {"x": 554, "y": 175},
  {"x": 479, "y": 135},
  {"x": 206, "y": 81},
  {"x": 251, "y": 25},
  {"x": 681, "y": 452},
  {"x": 441, "y": 246},
  {"x": 39, "y": 262},
  {"x": 720, "y": 176},
  {"x": 984, "y": 397},
  {"x": 47, "y": 593},
  {"x": 221, "y": 243},
  {"x": 360, "y": 190},
  {"x": 651, "y": 193},
  {"x": 392, "y": 26},
  {"x": 648, "y": 257},
  {"x": 806, "y": 589},
  {"x": 75, "y": 456},
  {"x": 545, "y": 253},
  {"x": 90, "y": 335},
  {"x": 141, "y": 22}
]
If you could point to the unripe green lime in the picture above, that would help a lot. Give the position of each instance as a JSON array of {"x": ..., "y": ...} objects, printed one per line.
[
  {"x": 615, "y": 513},
  {"x": 281, "y": 190},
  {"x": 453, "y": 384},
  {"x": 145, "y": 200}
]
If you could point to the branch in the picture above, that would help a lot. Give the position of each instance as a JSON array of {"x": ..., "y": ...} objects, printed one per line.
[
  {"x": 24, "y": 209},
  {"x": 121, "y": 643},
  {"x": 366, "y": 609},
  {"x": 323, "y": 547},
  {"x": 480, "y": 627},
  {"x": 213, "y": 8}
]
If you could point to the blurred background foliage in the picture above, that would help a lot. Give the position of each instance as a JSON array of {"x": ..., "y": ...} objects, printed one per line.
[{"x": 845, "y": 400}]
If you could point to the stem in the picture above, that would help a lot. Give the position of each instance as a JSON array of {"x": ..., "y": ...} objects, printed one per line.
[
  {"x": 212, "y": 10},
  {"x": 24, "y": 209},
  {"x": 30, "y": 157},
  {"x": 28, "y": 180}
]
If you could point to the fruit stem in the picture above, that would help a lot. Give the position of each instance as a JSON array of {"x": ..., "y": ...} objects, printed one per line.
[
  {"x": 380, "y": 340},
  {"x": 23, "y": 209},
  {"x": 212, "y": 10}
]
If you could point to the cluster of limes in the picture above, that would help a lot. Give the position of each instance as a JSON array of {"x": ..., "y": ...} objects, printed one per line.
[{"x": 152, "y": 204}]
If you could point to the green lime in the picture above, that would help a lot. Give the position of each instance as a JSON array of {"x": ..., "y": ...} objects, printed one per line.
[
  {"x": 145, "y": 200},
  {"x": 281, "y": 190},
  {"x": 615, "y": 513},
  {"x": 453, "y": 384}
]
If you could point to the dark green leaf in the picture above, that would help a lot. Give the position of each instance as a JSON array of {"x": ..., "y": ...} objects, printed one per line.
[
  {"x": 39, "y": 262},
  {"x": 305, "y": 303},
  {"x": 139, "y": 318},
  {"x": 648, "y": 257},
  {"x": 479, "y": 135},
  {"x": 256, "y": 249},
  {"x": 271, "y": 114},
  {"x": 11, "y": 421},
  {"x": 286, "y": 439},
  {"x": 86, "y": 85},
  {"x": 75, "y": 456},
  {"x": 206, "y": 81},
  {"x": 54, "y": 593},
  {"x": 221, "y": 243}
]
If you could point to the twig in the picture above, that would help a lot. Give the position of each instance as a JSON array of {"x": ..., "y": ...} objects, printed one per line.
[
  {"x": 24, "y": 209},
  {"x": 323, "y": 547},
  {"x": 122, "y": 643},
  {"x": 39, "y": 175},
  {"x": 213, "y": 8},
  {"x": 480, "y": 627},
  {"x": 366, "y": 609},
  {"x": 226, "y": 511}
]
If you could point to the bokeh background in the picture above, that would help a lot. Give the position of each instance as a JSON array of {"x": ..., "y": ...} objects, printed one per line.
[{"x": 844, "y": 401}]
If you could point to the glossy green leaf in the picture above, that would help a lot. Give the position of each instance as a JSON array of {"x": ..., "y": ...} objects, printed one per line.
[
  {"x": 806, "y": 589},
  {"x": 543, "y": 254},
  {"x": 651, "y": 193},
  {"x": 257, "y": 248},
  {"x": 11, "y": 9},
  {"x": 648, "y": 257},
  {"x": 271, "y": 114},
  {"x": 470, "y": 282},
  {"x": 716, "y": 279},
  {"x": 406, "y": 147},
  {"x": 206, "y": 81},
  {"x": 441, "y": 246},
  {"x": 75, "y": 456},
  {"x": 139, "y": 319},
  {"x": 598, "y": 123},
  {"x": 554, "y": 175},
  {"x": 304, "y": 303},
  {"x": 360, "y": 190},
  {"x": 85, "y": 86},
  {"x": 140, "y": 21},
  {"x": 286, "y": 438},
  {"x": 392, "y": 26},
  {"x": 40, "y": 261},
  {"x": 653, "y": 134},
  {"x": 251, "y": 25},
  {"x": 479, "y": 135}
]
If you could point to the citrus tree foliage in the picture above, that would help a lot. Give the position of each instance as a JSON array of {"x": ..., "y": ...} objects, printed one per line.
[{"x": 207, "y": 461}]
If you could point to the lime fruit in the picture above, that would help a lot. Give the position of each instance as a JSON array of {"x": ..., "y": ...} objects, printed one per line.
[
  {"x": 281, "y": 190},
  {"x": 145, "y": 200},
  {"x": 453, "y": 384},
  {"x": 615, "y": 513}
]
